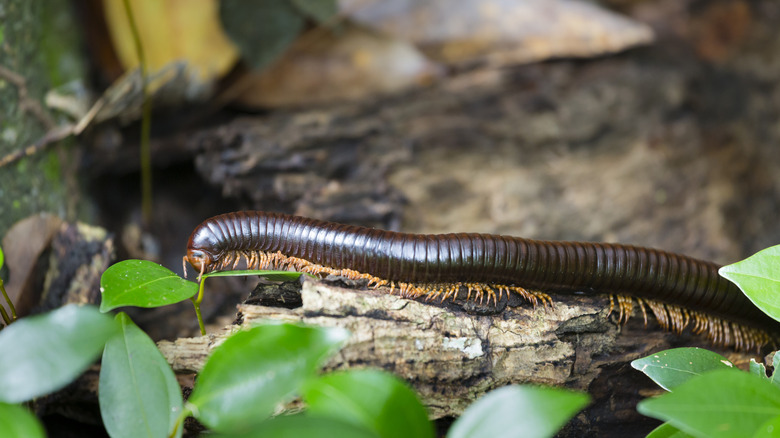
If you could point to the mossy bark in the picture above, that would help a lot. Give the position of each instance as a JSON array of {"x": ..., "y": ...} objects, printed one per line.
[{"x": 39, "y": 44}]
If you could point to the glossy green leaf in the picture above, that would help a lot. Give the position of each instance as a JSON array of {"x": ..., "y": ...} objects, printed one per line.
[
  {"x": 254, "y": 370},
  {"x": 2, "y": 258},
  {"x": 671, "y": 368},
  {"x": 720, "y": 403},
  {"x": 302, "y": 425},
  {"x": 262, "y": 30},
  {"x": 372, "y": 399},
  {"x": 666, "y": 430},
  {"x": 770, "y": 429},
  {"x": 17, "y": 422},
  {"x": 518, "y": 411},
  {"x": 321, "y": 11},
  {"x": 142, "y": 283},
  {"x": 758, "y": 276},
  {"x": 43, "y": 353},
  {"x": 268, "y": 275},
  {"x": 139, "y": 395}
]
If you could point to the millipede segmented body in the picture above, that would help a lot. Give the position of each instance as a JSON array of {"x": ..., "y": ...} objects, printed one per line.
[{"x": 678, "y": 289}]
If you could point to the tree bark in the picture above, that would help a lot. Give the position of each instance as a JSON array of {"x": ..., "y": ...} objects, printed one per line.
[{"x": 39, "y": 50}]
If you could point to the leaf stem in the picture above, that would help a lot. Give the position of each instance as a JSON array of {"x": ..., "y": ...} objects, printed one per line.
[
  {"x": 200, "y": 317},
  {"x": 201, "y": 287},
  {"x": 196, "y": 303},
  {"x": 8, "y": 300}
]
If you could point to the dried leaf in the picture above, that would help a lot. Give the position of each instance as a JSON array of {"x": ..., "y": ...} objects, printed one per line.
[
  {"x": 23, "y": 245},
  {"x": 172, "y": 30},
  {"x": 501, "y": 32},
  {"x": 349, "y": 64}
]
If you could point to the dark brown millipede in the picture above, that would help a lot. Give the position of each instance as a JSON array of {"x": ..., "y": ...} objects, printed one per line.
[{"x": 679, "y": 290}]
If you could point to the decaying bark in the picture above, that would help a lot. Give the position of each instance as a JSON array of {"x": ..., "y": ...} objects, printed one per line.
[{"x": 452, "y": 353}]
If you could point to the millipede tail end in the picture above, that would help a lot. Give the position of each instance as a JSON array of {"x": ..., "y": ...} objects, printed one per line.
[{"x": 676, "y": 319}]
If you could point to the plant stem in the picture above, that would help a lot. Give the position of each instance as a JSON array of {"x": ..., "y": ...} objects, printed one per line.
[
  {"x": 179, "y": 422},
  {"x": 201, "y": 287},
  {"x": 5, "y": 315},
  {"x": 8, "y": 300},
  {"x": 196, "y": 300},
  {"x": 196, "y": 304},
  {"x": 146, "y": 119}
]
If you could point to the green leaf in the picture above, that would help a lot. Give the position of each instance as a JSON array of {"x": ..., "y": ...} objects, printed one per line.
[
  {"x": 666, "y": 430},
  {"x": 139, "y": 394},
  {"x": 262, "y": 30},
  {"x": 254, "y": 370},
  {"x": 721, "y": 403},
  {"x": 757, "y": 369},
  {"x": 671, "y": 368},
  {"x": 518, "y": 411},
  {"x": 319, "y": 10},
  {"x": 18, "y": 422},
  {"x": 43, "y": 353},
  {"x": 372, "y": 399},
  {"x": 758, "y": 276},
  {"x": 770, "y": 429},
  {"x": 302, "y": 425},
  {"x": 775, "y": 369},
  {"x": 268, "y": 275},
  {"x": 2, "y": 258},
  {"x": 142, "y": 283}
]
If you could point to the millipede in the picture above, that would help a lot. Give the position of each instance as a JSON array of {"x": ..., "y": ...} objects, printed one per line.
[{"x": 680, "y": 291}]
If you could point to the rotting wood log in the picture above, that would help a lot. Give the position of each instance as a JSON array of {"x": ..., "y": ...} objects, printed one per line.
[{"x": 451, "y": 353}]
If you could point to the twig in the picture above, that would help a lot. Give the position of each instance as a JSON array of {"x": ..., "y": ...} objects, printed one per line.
[{"x": 33, "y": 107}]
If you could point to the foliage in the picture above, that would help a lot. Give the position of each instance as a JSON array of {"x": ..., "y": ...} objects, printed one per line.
[
  {"x": 144, "y": 284},
  {"x": 724, "y": 403},
  {"x": 370, "y": 399},
  {"x": 18, "y": 422},
  {"x": 46, "y": 352},
  {"x": 42, "y": 354},
  {"x": 671, "y": 368},
  {"x": 758, "y": 277},
  {"x": 519, "y": 411},
  {"x": 139, "y": 394},
  {"x": 242, "y": 383},
  {"x": 253, "y": 371},
  {"x": 710, "y": 398}
]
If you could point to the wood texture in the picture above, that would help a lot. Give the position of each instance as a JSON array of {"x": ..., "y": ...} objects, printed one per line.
[{"x": 452, "y": 353}]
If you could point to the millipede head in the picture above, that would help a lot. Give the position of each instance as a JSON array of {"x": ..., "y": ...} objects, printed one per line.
[{"x": 199, "y": 259}]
